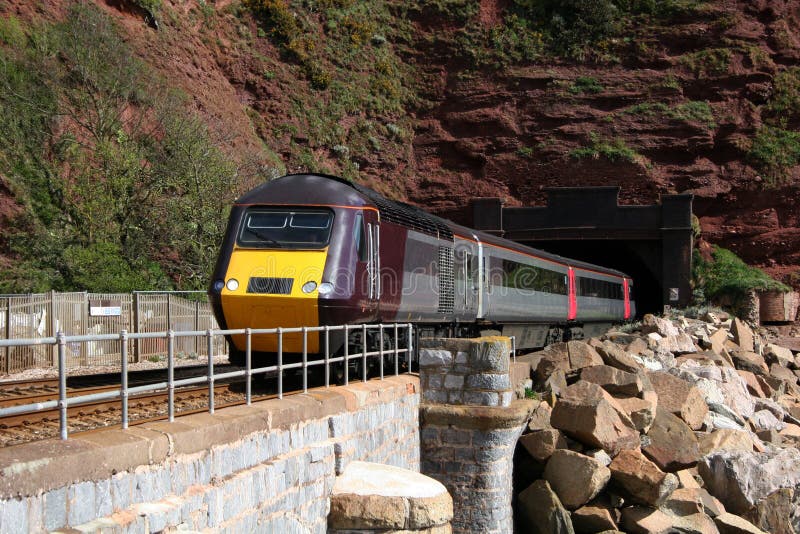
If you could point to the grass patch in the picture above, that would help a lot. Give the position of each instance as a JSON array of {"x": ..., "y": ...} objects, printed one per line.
[
  {"x": 613, "y": 150},
  {"x": 774, "y": 152},
  {"x": 585, "y": 85},
  {"x": 709, "y": 62}
]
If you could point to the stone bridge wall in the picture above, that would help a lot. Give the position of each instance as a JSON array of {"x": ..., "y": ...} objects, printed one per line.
[{"x": 269, "y": 467}]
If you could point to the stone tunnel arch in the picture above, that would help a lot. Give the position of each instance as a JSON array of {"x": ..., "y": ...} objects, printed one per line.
[{"x": 651, "y": 243}]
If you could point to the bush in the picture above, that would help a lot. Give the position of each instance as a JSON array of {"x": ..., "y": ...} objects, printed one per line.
[
  {"x": 728, "y": 276},
  {"x": 585, "y": 84}
]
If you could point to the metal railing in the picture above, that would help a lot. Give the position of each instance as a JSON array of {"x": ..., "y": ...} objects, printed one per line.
[{"x": 61, "y": 341}]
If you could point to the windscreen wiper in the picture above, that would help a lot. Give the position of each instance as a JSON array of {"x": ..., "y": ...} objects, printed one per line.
[{"x": 264, "y": 236}]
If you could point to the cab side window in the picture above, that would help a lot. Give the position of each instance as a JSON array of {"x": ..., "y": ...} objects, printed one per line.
[{"x": 360, "y": 238}]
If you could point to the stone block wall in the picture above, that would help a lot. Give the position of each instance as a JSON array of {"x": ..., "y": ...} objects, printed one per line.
[
  {"x": 468, "y": 372},
  {"x": 469, "y": 430},
  {"x": 269, "y": 467}
]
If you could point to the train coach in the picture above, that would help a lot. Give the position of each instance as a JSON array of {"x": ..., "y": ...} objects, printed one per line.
[{"x": 314, "y": 250}]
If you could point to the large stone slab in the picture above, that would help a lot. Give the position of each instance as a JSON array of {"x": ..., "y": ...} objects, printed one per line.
[
  {"x": 575, "y": 478},
  {"x": 743, "y": 335},
  {"x": 680, "y": 398},
  {"x": 673, "y": 445},
  {"x": 613, "y": 380},
  {"x": 590, "y": 415},
  {"x": 742, "y": 479},
  {"x": 542, "y": 511},
  {"x": 376, "y": 496},
  {"x": 642, "y": 479}
]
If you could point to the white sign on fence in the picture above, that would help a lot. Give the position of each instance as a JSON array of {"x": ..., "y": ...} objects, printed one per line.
[{"x": 105, "y": 308}]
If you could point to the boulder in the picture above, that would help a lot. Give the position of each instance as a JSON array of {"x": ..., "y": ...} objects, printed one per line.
[
  {"x": 732, "y": 387},
  {"x": 594, "y": 517},
  {"x": 542, "y": 512},
  {"x": 782, "y": 373},
  {"x": 641, "y": 412},
  {"x": 540, "y": 418},
  {"x": 575, "y": 478},
  {"x": 679, "y": 344},
  {"x": 673, "y": 446},
  {"x": 774, "y": 513},
  {"x": 766, "y": 420},
  {"x": 613, "y": 380},
  {"x": 777, "y": 354},
  {"x": 725, "y": 439},
  {"x": 659, "y": 325},
  {"x": 542, "y": 443},
  {"x": 689, "y": 501},
  {"x": 643, "y": 481},
  {"x": 742, "y": 479},
  {"x": 743, "y": 335},
  {"x": 553, "y": 357},
  {"x": 637, "y": 346},
  {"x": 590, "y": 415},
  {"x": 582, "y": 355},
  {"x": 680, "y": 398},
  {"x": 643, "y": 520},
  {"x": 749, "y": 361},
  {"x": 753, "y": 385},
  {"x": 730, "y": 524},
  {"x": 718, "y": 340},
  {"x": 687, "y": 479},
  {"x": 616, "y": 357}
]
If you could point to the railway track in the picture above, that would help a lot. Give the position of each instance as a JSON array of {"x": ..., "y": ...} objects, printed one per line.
[
  {"x": 107, "y": 414},
  {"x": 88, "y": 416}
]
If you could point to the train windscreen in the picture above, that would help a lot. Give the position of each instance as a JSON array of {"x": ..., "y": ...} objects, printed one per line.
[{"x": 282, "y": 228}]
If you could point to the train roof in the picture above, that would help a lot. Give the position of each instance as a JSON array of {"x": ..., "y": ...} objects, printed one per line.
[{"x": 328, "y": 190}]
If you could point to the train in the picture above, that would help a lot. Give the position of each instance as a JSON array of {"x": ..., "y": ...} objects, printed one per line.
[{"x": 314, "y": 250}]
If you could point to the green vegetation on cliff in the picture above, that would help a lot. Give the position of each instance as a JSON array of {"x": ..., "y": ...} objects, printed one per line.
[
  {"x": 726, "y": 275},
  {"x": 122, "y": 186}
]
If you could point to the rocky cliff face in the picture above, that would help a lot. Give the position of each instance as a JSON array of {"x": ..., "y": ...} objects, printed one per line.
[
  {"x": 676, "y": 111},
  {"x": 705, "y": 103}
]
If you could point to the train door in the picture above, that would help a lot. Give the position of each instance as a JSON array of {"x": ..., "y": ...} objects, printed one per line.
[
  {"x": 481, "y": 277},
  {"x": 373, "y": 234}
]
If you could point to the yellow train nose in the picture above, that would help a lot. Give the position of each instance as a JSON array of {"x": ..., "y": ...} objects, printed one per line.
[{"x": 270, "y": 293}]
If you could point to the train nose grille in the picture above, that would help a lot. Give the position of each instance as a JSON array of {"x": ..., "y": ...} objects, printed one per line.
[{"x": 270, "y": 286}]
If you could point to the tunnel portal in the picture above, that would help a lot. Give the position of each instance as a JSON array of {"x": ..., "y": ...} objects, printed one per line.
[{"x": 651, "y": 243}]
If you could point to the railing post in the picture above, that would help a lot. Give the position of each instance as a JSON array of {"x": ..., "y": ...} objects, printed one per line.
[
  {"x": 346, "y": 356},
  {"x": 380, "y": 351},
  {"x": 8, "y": 335},
  {"x": 52, "y": 321},
  {"x": 410, "y": 343},
  {"x": 123, "y": 339},
  {"x": 62, "y": 383},
  {"x": 171, "y": 374},
  {"x": 248, "y": 366},
  {"x": 364, "y": 352},
  {"x": 137, "y": 328},
  {"x": 305, "y": 359},
  {"x": 197, "y": 326},
  {"x": 280, "y": 363},
  {"x": 327, "y": 356},
  {"x": 396, "y": 350},
  {"x": 210, "y": 335}
]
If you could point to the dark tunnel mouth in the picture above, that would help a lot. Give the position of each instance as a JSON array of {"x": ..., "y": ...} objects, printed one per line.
[{"x": 640, "y": 259}]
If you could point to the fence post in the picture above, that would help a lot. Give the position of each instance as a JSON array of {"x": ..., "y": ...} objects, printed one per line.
[
  {"x": 8, "y": 335},
  {"x": 197, "y": 327},
  {"x": 137, "y": 348},
  {"x": 169, "y": 311},
  {"x": 52, "y": 324}
]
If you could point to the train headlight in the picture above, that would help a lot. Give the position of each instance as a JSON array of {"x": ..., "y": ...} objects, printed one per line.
[
  {"x": 308, "y": 287},
  {"x": 325, "y": 288},
  {"x": 232, "y": 285},
  {"x": 218, "y": 285}
]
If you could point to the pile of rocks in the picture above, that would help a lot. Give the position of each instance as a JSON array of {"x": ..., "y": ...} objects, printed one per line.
[{"x": 685, "y": 425}]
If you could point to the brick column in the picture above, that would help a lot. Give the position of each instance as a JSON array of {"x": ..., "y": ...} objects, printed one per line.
[{"x": 470, "y": 424}]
